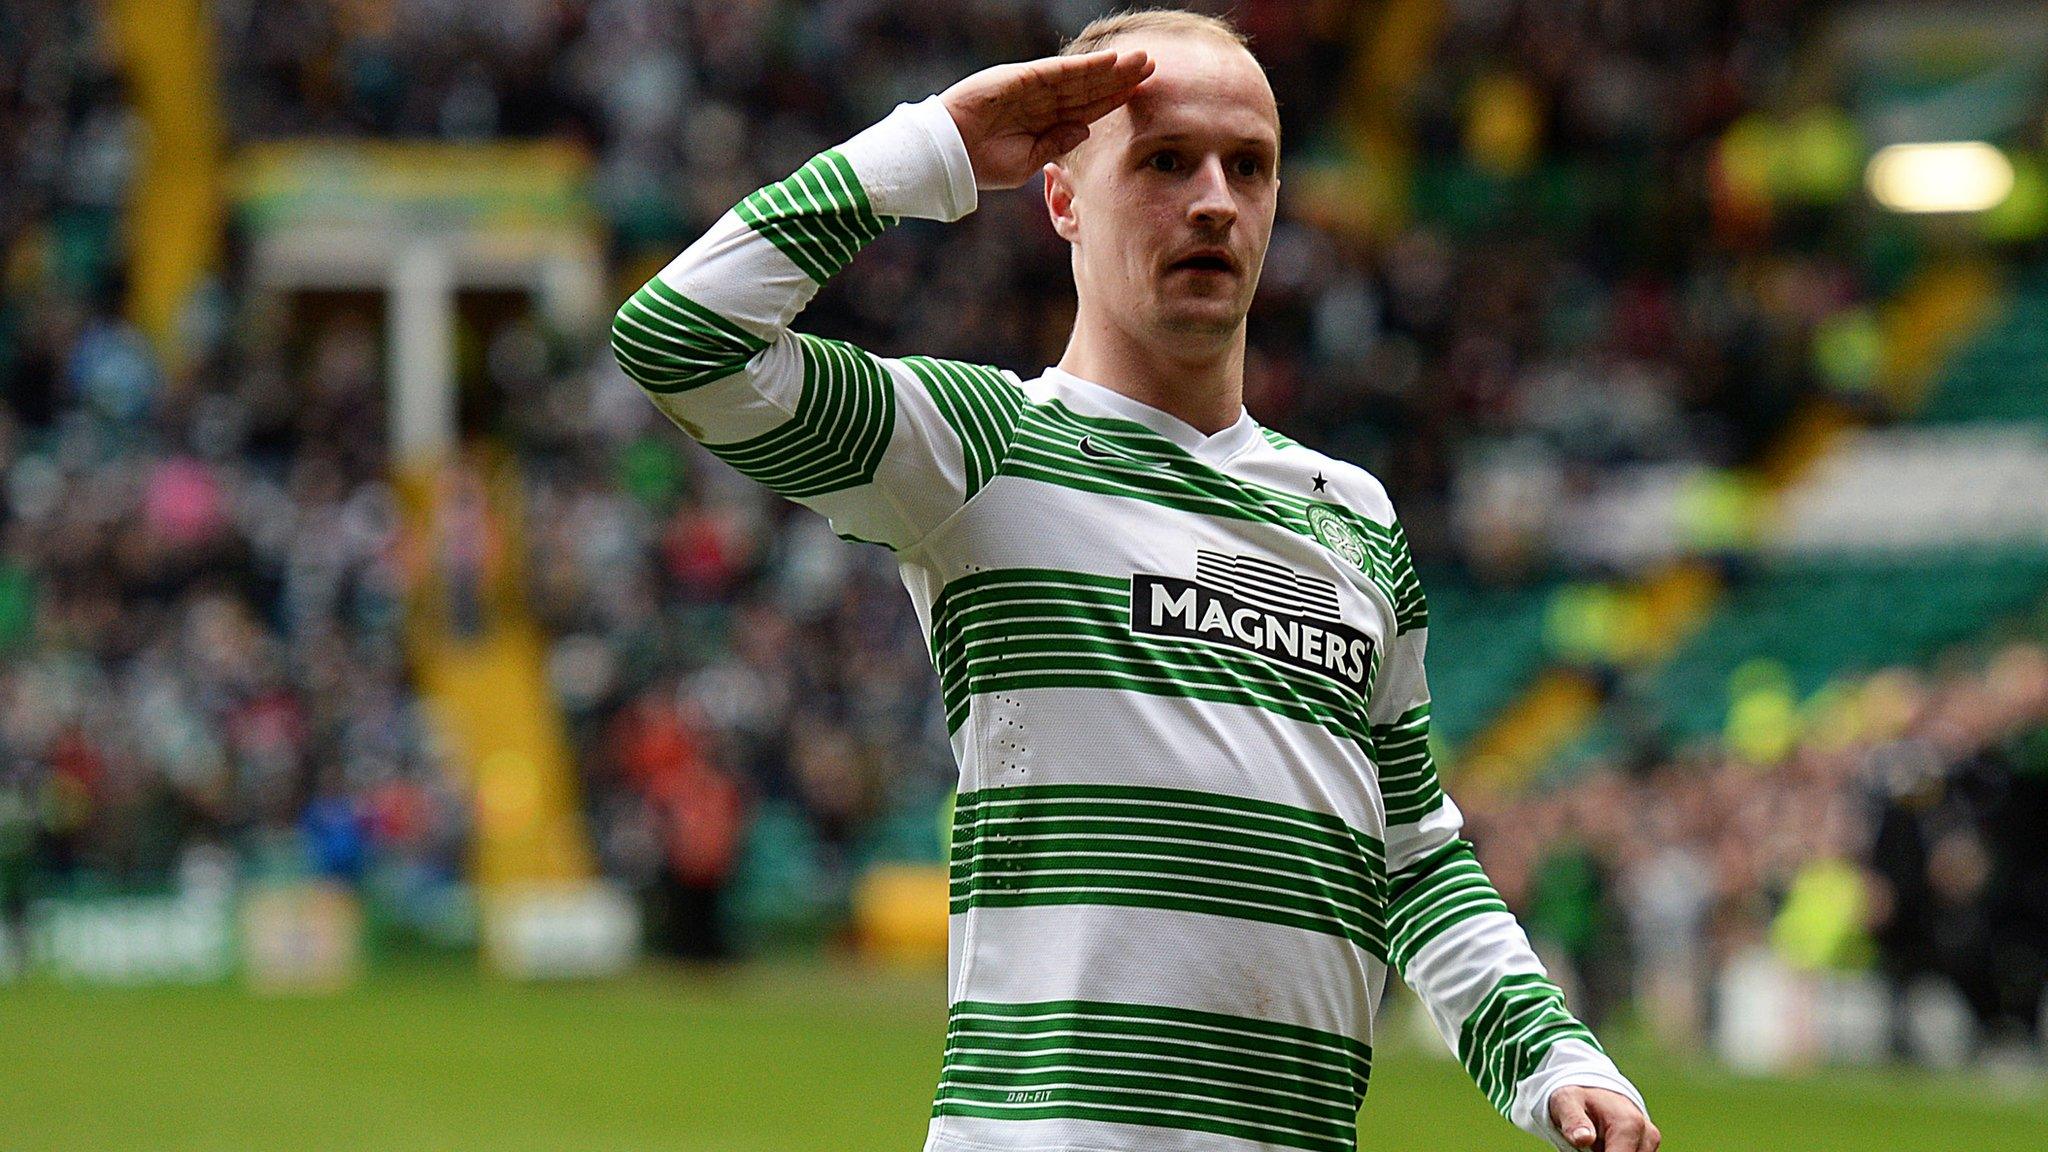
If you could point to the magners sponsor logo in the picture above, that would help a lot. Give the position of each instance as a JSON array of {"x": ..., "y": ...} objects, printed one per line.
[{"x": 1255, "y": 604}]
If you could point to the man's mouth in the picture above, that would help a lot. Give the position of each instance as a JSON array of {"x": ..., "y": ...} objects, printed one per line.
[{"x": 1204, "y": 261}]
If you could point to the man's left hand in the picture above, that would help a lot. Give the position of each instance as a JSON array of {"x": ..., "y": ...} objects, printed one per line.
[{"x": 1602, "y": 1121}]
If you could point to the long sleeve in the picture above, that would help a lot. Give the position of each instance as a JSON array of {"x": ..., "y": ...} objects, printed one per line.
[
  {"x": 885, "y": 448},
  {"x": 1451, "y": 936}
]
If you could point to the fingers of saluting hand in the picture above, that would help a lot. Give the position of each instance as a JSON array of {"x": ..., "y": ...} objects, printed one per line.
[
  {"x": 1015, "y": 117},
  {"x": 1081, "y": 89}
]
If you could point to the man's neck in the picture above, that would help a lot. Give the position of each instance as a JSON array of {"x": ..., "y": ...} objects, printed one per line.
[{"x": 1198, "y": 382}]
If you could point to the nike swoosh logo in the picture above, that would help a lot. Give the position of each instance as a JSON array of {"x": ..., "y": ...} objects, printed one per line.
[{"x": 1091, "y": 448}]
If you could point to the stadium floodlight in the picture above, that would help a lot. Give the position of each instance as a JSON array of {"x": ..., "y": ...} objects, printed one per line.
[{"x": 1956, "y": 176}]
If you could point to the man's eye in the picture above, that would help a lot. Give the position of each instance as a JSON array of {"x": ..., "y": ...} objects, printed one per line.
[
  {"x": 1250, "y": 166},
  {"x": 1163, "y": 162}
]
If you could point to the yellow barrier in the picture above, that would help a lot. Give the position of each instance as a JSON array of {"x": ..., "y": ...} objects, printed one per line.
[
  {"x": 176, "y": 213},
  {"x": 482, "y": 669},
  {"x": 899, "y": 913}
]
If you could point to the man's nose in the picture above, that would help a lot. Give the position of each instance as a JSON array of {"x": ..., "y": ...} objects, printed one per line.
[{"x": 1212, "y": 204}]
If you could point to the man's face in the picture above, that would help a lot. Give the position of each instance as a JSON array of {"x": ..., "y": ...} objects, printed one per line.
[{"x": 1169, "y": 202}]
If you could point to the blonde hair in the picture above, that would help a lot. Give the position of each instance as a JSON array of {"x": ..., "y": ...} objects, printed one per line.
[{"x": 1101, "y": 30}]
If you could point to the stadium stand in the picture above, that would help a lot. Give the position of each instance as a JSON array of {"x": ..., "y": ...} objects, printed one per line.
[
  {"x": 1568, "y": 321},
  {"x": 1998, "y": 379}
]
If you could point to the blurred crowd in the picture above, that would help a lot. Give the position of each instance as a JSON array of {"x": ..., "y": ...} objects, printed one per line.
[
  {"x": 703, "y": 626},
  {"x": 200, "y": 598},
  {"x": 1575, "y": 271},
  {"x": 204, "y": 572},
  {"x": 1900, "y": 829}
]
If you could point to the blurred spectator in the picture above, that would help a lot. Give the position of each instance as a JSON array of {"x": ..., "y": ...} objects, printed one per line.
[{"x": 697, "y": 813}]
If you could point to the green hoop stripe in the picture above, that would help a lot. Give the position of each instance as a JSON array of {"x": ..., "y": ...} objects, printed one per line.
[
  {"x": 838, "y": 433},
  {"x": 1156, "y": 1066},
  {"x": 1172, "y": 849},
  {"x": 1408, "y": 777},
  {"x": 1517, "y": 1023},
  {"x": 1440, "y": 891},
  {"x": 980, "y": 406},
  {"x": 819, "y": 217},
  {"x": 669, "y": 343}
]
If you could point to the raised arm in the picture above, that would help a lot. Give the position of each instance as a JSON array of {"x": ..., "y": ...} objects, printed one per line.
[
  {"x": 885, "y": 448},
  {"x": 1458, "y": 947}
]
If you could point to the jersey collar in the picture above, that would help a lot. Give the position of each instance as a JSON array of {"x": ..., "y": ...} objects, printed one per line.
[{"x": 1216, "y": 450}]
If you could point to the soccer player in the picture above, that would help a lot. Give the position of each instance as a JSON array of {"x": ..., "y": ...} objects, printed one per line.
[{"x": 1180, "y": 654}]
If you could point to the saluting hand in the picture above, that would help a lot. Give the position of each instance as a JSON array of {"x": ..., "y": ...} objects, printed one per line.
[{"x": 1016, "y": 117}]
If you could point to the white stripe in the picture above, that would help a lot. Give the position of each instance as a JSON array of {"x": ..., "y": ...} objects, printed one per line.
[
  {"x": 732, "y": 271},
  {"x": 1156, "y": 956},
  {"x": 1285, "y": 1120},
  {"x": 1104, "y": 882},
  {"x": 981, "y": 1133},
  {"x": 1133, "y": 1018},
  {"x": 1101, "y": 1071},
  {"x": 1149, "y": 838}
]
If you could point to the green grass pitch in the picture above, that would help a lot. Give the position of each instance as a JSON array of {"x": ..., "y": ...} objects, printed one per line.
[{"x": 802, "y": 1059}]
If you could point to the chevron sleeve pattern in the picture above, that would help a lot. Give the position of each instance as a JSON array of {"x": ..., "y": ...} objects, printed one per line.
[
  {"x": 884, "y": 448},
  {"x": 1452, "y": 937}
]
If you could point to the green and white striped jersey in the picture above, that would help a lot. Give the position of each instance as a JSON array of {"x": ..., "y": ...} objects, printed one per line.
[{"x": 1183, "y": 676}]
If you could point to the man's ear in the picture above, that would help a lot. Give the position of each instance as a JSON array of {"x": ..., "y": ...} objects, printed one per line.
[{"x": 1059, "y": 202}]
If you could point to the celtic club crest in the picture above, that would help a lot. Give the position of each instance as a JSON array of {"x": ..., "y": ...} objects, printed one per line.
[{"x": 1337, "y": 535}]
